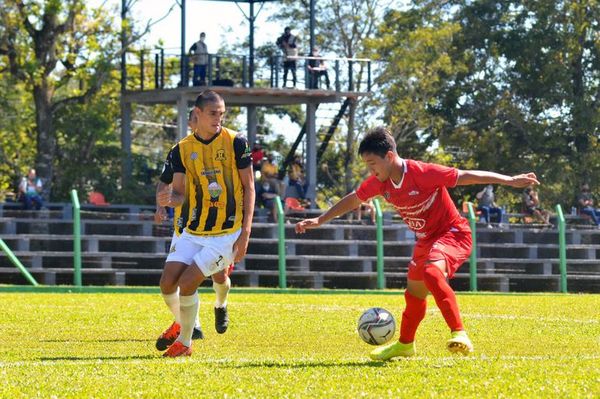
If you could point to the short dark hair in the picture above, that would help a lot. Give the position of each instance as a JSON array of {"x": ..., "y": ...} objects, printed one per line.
[
  {"x": 377, "y": 141},
  {"x": 206, "y": 97},
  {"x": 190, "y": 115}
]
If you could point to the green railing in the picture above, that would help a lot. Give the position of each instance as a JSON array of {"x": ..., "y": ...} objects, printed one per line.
[
  {"x": 562, "y": 248},
  {"x": 15, "y": 261},
  {"x": 281, "y": 242},
  {"x": 76, "y": 239},
  {"x": 473, "y": 257},
  {"x": 379, "y": 221}
]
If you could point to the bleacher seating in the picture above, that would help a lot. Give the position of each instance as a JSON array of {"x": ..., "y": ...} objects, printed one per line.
[{"x": 122, "y": 246}]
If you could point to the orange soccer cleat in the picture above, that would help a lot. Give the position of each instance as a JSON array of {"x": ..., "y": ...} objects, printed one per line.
[
  {"x": 167, "y": 338},
  {"x": 178, "y": 349}
]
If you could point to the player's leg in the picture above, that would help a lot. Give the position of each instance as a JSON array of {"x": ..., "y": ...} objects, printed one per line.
[
  {"x": 221, "y": 286},
  {"x": 447, "y": 254},
  {"x": 170, "y": 294},
  {"x": 188, "y": 283},
  {"x": 414, "y": 312}
]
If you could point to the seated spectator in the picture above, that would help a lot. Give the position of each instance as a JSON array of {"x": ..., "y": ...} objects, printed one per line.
[
  {"x": 265, "y": 195},
  {"x": 30, "y": 190},
  {"x": 585, "y": 203},
  {"x": 268, "y": 171},
  {"x": 257, "y": 156},
  {"x": 487, "y": 204},
  {"x": 296, "y": 177},
  {"x": 317, "y": 68},
  {"x": 531, "y": 206}
]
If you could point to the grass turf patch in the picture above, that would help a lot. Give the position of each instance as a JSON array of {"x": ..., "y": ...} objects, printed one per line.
[{"x": 102, "y": 345}]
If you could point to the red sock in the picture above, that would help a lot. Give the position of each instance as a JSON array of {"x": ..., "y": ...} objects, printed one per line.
[
  {"x": 444, "y": 296},
  {"x": 412, "y": 316}
]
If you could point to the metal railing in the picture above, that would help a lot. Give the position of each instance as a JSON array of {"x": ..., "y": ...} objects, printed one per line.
[{"x": 158, "y": 69}]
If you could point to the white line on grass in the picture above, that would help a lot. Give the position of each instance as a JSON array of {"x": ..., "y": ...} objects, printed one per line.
[{"x": 291, "y": 362}]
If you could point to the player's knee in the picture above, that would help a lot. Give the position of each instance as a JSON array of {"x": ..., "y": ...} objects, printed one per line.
[
  {"x": 431, "y": 274},
  {"x": 167, "y": 285}
]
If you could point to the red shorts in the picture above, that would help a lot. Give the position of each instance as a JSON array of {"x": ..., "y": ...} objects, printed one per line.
[
  {"x": 454, "y": 247},
  {"x": 229, "y": 269}
]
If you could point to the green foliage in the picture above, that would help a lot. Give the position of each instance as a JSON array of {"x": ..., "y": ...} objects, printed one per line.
[
  {"x": 504, "y": 86},
  {"x": 17, "y": 143},
  {"x": 543, "y": 346}
]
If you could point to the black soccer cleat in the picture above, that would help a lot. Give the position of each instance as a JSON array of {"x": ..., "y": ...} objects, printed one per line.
[
  {"x": 197, "y": 333},
  {"x": 221, "y": 319}
]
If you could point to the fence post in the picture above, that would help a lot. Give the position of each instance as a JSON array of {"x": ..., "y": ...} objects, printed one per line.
[
  {"x": 142, "y": 67},
  {"x": 562, "y": 248},
  {"x": 379, "y": 221},
  {"x": 76, "y": 239},
  {"x": 281, "y": 242},
  {"x": 15, "y": 261},
  {"x": 473, "y": 257}
]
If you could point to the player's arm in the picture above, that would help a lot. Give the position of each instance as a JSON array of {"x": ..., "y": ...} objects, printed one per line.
[
  {"x": 176, "y": 195},
  {"x": 241, "y": 245},
  {"x": 243, "y": 161},
  {"x": 343, "y": 206},
  {"x": 468, "y": 177},
  {"x": 161, "y": 213}
]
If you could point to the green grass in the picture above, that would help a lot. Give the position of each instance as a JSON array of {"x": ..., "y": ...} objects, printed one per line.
[{"x": 102, "y": 346}]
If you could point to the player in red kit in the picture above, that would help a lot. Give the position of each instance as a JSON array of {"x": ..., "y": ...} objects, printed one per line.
[{"x": 419, "y": 193}]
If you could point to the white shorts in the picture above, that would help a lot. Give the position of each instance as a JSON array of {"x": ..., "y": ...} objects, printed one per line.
[{"x": 210, "y": 254}]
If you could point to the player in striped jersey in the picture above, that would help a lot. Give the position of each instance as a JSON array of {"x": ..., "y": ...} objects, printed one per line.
[{"x": 213, "y": 173}]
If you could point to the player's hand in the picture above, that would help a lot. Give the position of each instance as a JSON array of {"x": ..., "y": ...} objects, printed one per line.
[
  {"x": 164, "y": 197},
  {"x": 160, "y": 215},
  {"x": 240, "y": 247},
  {"x": 306, "y": 224},
  {"x": 524, "y": 180}
]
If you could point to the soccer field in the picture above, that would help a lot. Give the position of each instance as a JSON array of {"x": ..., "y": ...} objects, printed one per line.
[{"x": 295, "y": 345}]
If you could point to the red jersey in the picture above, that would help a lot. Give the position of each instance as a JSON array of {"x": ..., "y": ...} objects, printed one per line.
[{"x": 421, "y": 198}]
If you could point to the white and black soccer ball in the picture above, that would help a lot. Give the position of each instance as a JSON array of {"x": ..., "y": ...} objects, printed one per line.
[{"x": 376, "y": 326}]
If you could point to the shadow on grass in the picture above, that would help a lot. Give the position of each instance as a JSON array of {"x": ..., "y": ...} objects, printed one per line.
[
  {"x": 97, "y": 340},
  {"x": 304, "y": 364},
  {"x": 80, "y": 358}
]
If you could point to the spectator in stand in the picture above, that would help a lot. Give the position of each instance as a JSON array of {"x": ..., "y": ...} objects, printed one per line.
[
  {"x": 257, "y": 156},
  {"x": 287, "y": 44},
  {"x": 269, "y": 171},
  {"x": 265, "y": 195},
  {"x": 317, "y": 68},
  {"x": 199, "y": 56},
  {"x": 531, "y": 206},
  {"x": 487, "y": 205},
  {"x": 30, "y": 190},
  {"x": 296, "y": 177},
  {"x": 585, "y": 202}
]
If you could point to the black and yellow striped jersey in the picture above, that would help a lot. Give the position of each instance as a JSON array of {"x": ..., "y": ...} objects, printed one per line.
[{"x": 214, "y": 191}]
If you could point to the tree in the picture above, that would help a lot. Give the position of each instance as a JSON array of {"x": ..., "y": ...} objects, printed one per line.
[
  {"x": 501, "y": 85},
  {"x": 62, "y": 53}
]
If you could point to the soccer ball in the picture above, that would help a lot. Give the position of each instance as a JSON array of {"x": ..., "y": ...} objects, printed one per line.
[{"x": 376, "y": 326}]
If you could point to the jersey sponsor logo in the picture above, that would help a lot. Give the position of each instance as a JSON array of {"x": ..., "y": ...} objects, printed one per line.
[
  {"x": 215, "y": 204},
  {"x": 415, "y": 224},
  {"x": 414, "y": 192},
  {"x": 220, "y": 156},
  {"x": 210, "y": 172},
  {"x": 386, "y": 195},
  {"x": 172, "y": 249},
  {"x": 194, "y": 156},
  {"x": 214, "y": 190},
  {"x": 417, "y": 209}
]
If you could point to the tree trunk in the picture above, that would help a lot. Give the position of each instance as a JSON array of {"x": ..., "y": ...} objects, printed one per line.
[
  {"x": 46, "y": 139},
  {"x": 350, "y": 148}
]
